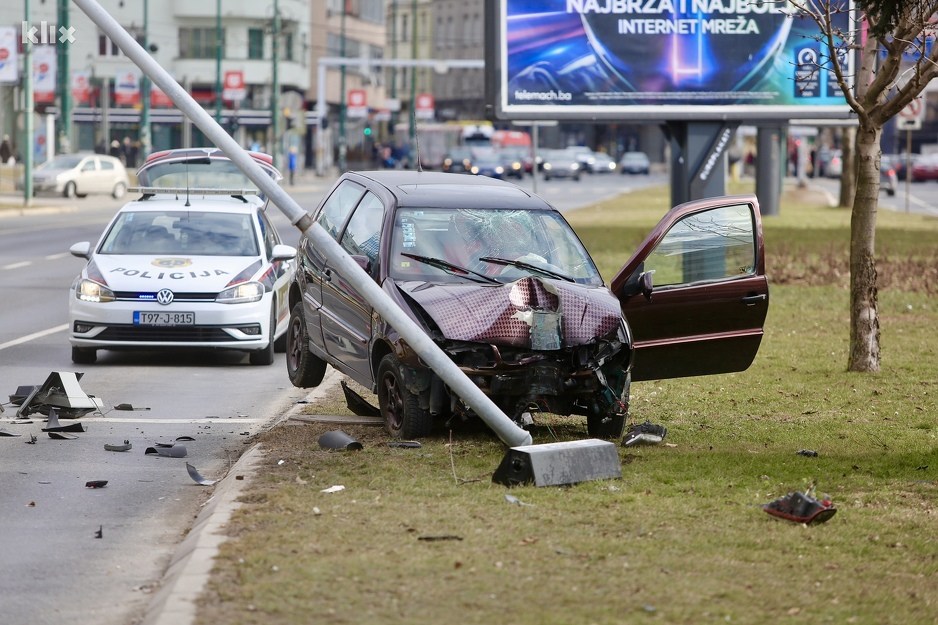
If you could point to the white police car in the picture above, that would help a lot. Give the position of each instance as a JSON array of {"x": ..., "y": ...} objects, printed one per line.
[{"x": 193, "y": 263}]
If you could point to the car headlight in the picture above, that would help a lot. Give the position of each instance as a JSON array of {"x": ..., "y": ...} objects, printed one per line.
[
  {"x": 547, "y": 166},
  {"x": 499, "y": 170},
  {"x": 91, "y": 291},
  {"x": 243, "y": 293},
  {"x": 474, "y": 169},
  {"x": 575, "y": 166}
]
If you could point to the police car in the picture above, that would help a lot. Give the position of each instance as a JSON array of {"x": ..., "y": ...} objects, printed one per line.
[{"x": 194, "y": 262}]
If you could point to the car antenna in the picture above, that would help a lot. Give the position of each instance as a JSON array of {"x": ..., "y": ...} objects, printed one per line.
[{"x": 413, "y": 115}]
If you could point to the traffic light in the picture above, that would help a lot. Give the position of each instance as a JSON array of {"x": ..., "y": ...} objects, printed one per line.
[{"x": 367, "y": 131}]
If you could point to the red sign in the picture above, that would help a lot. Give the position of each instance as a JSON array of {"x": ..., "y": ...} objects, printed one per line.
[
  {"x": 81, "y": 87},
  {"x": 234, "y": 86},
  {"x": 424, "y": 106},
  {"x": 357, "y": 103}
]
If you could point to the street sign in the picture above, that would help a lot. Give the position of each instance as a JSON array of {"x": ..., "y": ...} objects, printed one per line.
[
  {"x": 357, "y": 103},
  {"x": 425, "y": 107},
  {"x": 234, "y": 90},
  {"x": 912, "y": 115}
]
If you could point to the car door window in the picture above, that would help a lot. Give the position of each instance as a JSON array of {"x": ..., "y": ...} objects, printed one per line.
[
  {"x": 88, "y": 166},
  {"x": 337, "y": 208},
  {"x": 107, "y": 165},
  {"x": 363, "y": 233},
  {"x": 714, "y": 244},
  {"x": 271, "y": 237}
]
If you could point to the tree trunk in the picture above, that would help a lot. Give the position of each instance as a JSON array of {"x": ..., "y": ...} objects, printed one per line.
[
  {"x": 848, "y": 177},
  {"x": 864, "y": 314}
]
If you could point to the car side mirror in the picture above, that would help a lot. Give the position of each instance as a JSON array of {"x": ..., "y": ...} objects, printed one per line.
[
  {"x": 81, "y": 250},
  {"x": 647, "y": 283},
  {"x": 281, "y": 252}
]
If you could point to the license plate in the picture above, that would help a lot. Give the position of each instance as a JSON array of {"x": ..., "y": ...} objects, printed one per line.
[{"x": 163, "y": 318}]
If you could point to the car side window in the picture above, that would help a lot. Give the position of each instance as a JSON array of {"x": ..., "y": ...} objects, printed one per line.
[
  {"x": 337, "y": 208},
  {"x": 106, "y": 164},
  {"x": 362, "y": 236},
  {"x": 88, "y": 166},
  {"x": 269, "y": 233},
  {"x": 715, "y": 244}
]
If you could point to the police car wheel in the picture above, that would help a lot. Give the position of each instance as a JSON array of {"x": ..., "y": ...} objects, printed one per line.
[{"x": 84, "y": 356}]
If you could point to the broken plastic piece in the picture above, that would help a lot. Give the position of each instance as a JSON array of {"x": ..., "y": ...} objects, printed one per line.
[
  {"x": 96, "y": 484},
  {"x": 126, "y": 406},
  {"x": 32, "y": 439},
  {"x": 358, "y": 404},
  {"x": 337, "y": 439},
  {"x": 53, "y": 425},
  {"x": 62, "y": 436},
  {"x": 6, "y": 432},
  {"x": 22, "y": 392},
  {"x": 175, "y": 451},
  {"x": 100, "y": 532},
  {"x": 405, "y": 444},
  {"x": 184, "y": 438},
  {"x": 801, "y": 508},
  {"x": 646, "y": 432},
  {"x": 807, "y": 452},
  {"x": 333, "y": 489},
  {"x": 125, "y": 447},
  {"x": 197, "y": 477}
]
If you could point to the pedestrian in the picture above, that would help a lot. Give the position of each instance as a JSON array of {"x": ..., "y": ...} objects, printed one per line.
[
  {"x": 129, "y": 153},
  {"x": 6, "y": 151},
  {"x": 116, "y": 150},
  {"x": 291, "y": 164}
]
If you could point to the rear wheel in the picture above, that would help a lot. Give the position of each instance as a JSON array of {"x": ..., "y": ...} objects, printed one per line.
[
  {"x": 265, "y": 356},
  {"x": 70, "y": 190},
  {"x": 304, "y": 368},
  {"x": 403, "y": 416},
  {"x": 84, "y": 356},
  {"x": 119, "y": 190}
]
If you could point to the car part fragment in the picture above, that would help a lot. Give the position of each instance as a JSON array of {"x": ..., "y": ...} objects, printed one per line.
[
  {"x": 197, "y": 477},
  {"x": 646, "y": 432},
  {"x": 555, "y": 464},
  {"x": 60, "y": 390},
  {"x": 801, "y": 508},
  {"x": 337, "y": 439},
  {"x": 175, "y": 451},
  {"x": 127, "y": 446},
  {"x": 6, "y": 432},
  {"x": 96, "y": 484},
  {"x": 62, "y": 436},
  {"x": 53, "y": 425},
  {"x": 358, "y": 404}
]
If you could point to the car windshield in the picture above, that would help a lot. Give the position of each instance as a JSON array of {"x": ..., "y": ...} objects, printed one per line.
[
  {"x": 541, "y": 240},
  {"x": 192, "y": 233},
  {"x": 62, "y": 162}
]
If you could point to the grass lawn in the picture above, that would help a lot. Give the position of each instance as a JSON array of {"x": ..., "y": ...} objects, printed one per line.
[{"x": 424, "y": 536}]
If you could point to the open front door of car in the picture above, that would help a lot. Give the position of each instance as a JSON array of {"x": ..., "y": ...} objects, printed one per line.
[{"x": 695, "y": 293}]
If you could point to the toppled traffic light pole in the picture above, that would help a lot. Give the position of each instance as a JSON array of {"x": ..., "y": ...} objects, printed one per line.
[{"x": 506, "y": 429}]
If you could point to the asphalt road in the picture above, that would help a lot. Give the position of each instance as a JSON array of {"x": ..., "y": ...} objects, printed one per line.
[{"x": 53, "y": 568}]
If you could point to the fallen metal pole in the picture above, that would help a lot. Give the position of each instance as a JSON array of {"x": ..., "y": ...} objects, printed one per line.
[{"x": 504, "y": 428}]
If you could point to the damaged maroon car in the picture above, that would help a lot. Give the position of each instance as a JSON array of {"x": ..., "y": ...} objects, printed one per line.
[{"x": 502, "y": 284}]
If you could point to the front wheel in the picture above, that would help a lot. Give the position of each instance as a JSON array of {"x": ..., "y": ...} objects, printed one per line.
[
  {"x": 403, "y": 416},
  {"x": 304, "y": 368},
  {"x": 84, "y": 356},
  {"x": 607, "y": 420}
]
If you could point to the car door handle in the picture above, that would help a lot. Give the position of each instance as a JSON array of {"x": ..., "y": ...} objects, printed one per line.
[
  {"x": 327, "y": 275},
  {"x": 752, "y": 300}
]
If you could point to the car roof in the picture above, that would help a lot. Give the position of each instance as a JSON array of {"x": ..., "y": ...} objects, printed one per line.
[{"x": 428, "y": 189}]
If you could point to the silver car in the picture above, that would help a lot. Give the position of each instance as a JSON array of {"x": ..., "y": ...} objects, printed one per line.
[{"x": 77, "y": 175}]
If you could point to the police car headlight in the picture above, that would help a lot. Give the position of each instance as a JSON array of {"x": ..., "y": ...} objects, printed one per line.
[
  {"x": 90, "y": 291},
  {"x": 244, "y": 293}
]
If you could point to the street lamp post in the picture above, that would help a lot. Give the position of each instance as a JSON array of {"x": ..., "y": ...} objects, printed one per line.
[
  {"x": 218, "y": 45},
  {"x": 145, "y": 141},
  {"x": 343, "y": 147},
  {"x": 275, "y": 148},
  {"x": 413, "y": 80},
  {"x": 28, "y": 105},
  {"x": 64, "y": 88}
]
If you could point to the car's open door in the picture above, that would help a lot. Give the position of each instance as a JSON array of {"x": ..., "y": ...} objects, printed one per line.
[{"x": 695, "y": 293}]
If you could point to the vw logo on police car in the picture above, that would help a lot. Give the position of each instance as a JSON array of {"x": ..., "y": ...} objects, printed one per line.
[{"x": 164, "y": 297}]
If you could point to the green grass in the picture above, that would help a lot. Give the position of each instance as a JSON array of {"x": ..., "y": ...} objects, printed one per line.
[{"x": 681, "y": 538}]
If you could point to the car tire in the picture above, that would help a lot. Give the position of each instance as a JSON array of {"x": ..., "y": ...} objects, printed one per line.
[
  {"x": 304, "y": 368},
  {"x": 264, "y": 357},
  {"x": 601, "y": 424},
  {"x": 84, "y": 355},
  {"x": 403, "y": 416},
  {"x": 119, "y": 190},
  {"x": 70, "y": 190}
]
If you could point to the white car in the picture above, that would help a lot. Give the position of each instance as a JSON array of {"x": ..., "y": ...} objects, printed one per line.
[{"x": 193, "y": 263}]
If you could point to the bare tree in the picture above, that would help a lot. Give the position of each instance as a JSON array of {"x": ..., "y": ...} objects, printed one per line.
[{"x": 886, "y": 34}]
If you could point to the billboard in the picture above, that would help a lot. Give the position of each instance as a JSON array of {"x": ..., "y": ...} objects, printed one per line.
[{"x": 659, "y": 59}]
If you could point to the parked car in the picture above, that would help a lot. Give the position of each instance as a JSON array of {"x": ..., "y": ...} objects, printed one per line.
[
  {"x": 888, "y": 180},
  {"x": 80, "y": 174},
  {"x": 185, "y": 266},
  {"x": 634, "y": 163},
  {"x": 925, "y": 168},
  {"x": 560, "y": 164},
  {"x": 603, "y": 163},
  {"x": 501, "y": 283}
]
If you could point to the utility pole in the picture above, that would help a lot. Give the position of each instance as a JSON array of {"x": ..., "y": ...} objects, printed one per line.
[
  {"x": 64, "y": 88},
  {"x": 413, "y": 80},
  {"x": 393, "y": 122},
  {"x": 27, "y": 144},
  {"x": 275, "y": 89},
  {"x": 145, "y": 141},
  {"x": 343, "y": 147},
  {"x": 218, "y": 50}
]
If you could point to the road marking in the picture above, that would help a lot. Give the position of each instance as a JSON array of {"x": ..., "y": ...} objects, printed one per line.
[
  {"x": 33, "y": 336},
  {"x": 24, "y": 263},
  {"x": 156, "y": 421},
  {"x": 57, "y": 256}
]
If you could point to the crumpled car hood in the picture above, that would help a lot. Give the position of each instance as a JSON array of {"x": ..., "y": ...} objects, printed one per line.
[{"x": 506, "y": 314}]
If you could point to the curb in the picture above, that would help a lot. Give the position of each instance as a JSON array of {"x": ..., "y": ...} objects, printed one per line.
[{"x": 190, "y": 568}]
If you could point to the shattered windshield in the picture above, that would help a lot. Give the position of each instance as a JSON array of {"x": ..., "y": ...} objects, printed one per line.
[{"x": 482, "y": 240}]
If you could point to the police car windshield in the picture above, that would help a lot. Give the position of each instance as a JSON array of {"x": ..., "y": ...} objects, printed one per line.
[{"x": 192, "y": 233}]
